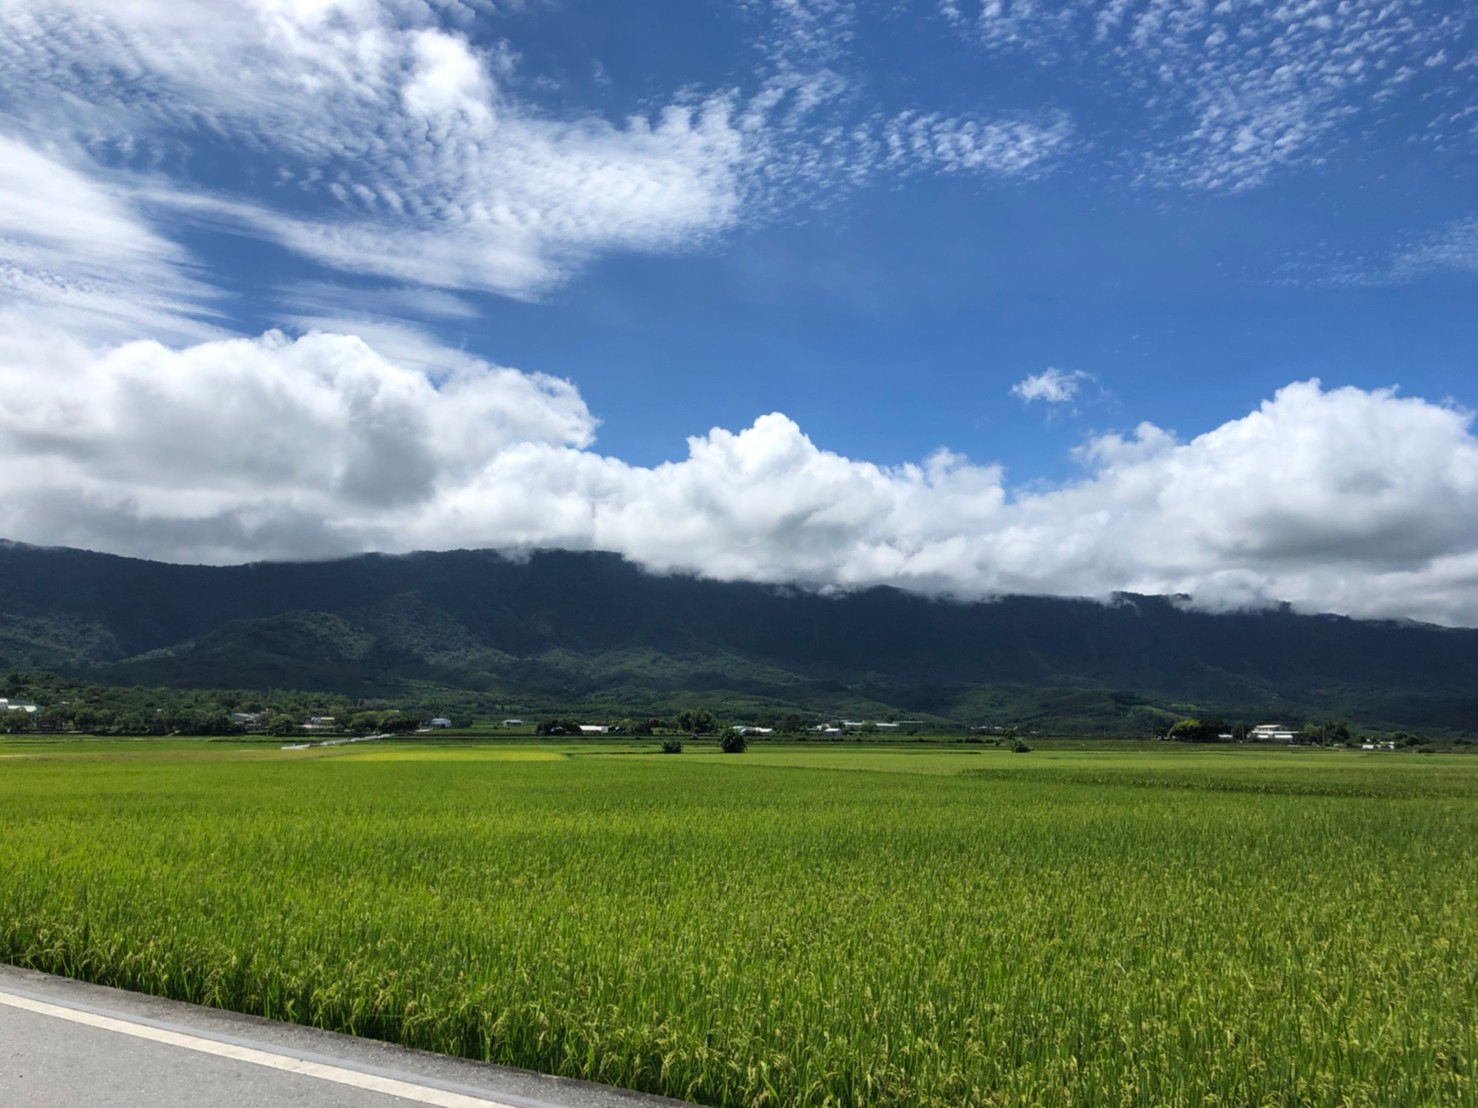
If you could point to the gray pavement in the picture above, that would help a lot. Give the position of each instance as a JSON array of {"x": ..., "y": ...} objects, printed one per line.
[{"x": 65, "y": 1044}]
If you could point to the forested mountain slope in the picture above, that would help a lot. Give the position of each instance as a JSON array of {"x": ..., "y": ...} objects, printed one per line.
[{"x": 576, "y": 626}]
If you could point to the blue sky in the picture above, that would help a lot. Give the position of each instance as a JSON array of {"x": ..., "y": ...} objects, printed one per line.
[{"x": 965, "y": 296}]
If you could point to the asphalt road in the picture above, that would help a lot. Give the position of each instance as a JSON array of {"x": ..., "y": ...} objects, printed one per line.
[{"x": 64, "y": 1044}]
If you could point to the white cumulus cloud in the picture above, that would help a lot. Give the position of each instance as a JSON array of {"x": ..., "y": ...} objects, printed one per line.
[
  {"x": 1051, "y": 386},
  {"x": 225, "y": 446}
]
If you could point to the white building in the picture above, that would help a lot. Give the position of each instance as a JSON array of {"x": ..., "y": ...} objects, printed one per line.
[{"x": 1272, "y": 733}]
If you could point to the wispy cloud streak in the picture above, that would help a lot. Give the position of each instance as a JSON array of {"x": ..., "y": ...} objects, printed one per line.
[
  {"x": 382, "y": 141},
  {"x": 1229, "y": 94}
]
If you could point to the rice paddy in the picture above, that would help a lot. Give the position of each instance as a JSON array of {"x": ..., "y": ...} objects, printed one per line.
[{"x": 793, "y": 926}]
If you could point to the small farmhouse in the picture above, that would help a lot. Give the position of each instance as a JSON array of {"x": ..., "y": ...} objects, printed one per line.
[{"x": 1272, "y": 733}]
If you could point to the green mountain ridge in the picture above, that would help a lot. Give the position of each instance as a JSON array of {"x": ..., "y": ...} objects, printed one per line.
[{"x": 564, "y": 628}]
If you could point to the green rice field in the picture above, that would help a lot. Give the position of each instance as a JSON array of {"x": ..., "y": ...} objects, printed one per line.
[{"x": 798, "y": 925}]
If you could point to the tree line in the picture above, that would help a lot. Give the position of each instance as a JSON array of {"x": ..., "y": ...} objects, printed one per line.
[
  {"x": 1327, "y": 732},
  {"x": 69, "y": 706}
]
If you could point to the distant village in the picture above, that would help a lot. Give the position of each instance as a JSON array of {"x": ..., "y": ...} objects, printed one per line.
[{"x": 22, "y": 715}]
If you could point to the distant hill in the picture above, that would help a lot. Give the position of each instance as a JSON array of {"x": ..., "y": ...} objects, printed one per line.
[{"x": 566, "y": 628}]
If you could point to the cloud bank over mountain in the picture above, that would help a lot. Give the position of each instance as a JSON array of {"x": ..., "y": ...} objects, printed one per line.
[{"x": 1361, "y": 502}]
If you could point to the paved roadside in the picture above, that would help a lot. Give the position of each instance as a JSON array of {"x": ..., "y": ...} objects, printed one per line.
[{"x": 65, "y": 1043}]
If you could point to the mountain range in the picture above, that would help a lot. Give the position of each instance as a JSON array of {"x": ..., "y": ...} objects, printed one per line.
[{"x": 556, "y": 629}]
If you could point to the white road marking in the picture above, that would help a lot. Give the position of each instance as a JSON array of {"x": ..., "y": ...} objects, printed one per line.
[{"x": 422, "y": 1094}]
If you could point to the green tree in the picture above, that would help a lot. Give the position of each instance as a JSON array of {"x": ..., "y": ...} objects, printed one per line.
[
  {"x": 281, "y": 724},
  {"x": 364, "y": 723},
  {"x": 697, "y": 721},
  {"x": 1194, "y": 730}
]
